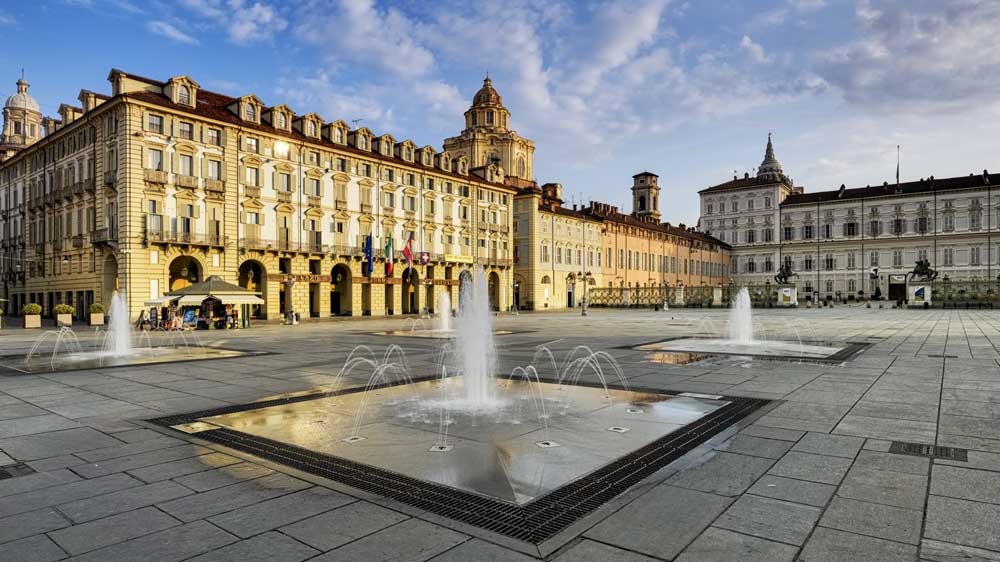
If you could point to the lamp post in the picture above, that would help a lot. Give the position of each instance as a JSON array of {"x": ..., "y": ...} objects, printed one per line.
[{"x": 586, "y": 276}]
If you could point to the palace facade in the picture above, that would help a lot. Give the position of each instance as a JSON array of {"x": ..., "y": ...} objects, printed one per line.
[
  {"x": 162, "y": 183},
  {"x": 850, "y": 240}
]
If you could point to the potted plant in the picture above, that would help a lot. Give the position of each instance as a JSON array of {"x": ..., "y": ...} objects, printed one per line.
[
  {"x": 64, "y": 314},
  {"x": 96, "y": 314},
  {"x": 32, "y": 315}
]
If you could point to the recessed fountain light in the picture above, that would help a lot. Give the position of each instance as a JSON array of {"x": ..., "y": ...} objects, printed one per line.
[
  {"x": 353, "y": 439},
  {"x": 617, "y": 429},
  {"x": 194, "y": 427},
  {"x": 547, "y": 444},
  {"x": 634, "y": 411},
  {"x": 440, "y": 448}
]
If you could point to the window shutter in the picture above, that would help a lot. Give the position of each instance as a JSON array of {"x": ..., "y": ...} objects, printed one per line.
[{"x": 260, "y": 217}]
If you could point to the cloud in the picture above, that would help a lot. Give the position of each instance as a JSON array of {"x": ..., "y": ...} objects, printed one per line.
[
  {"x": 244, "y": 22},
  {"x": 940, "y": 55},
  {"x": 6, "y": 19},
  {"x": 755, "y": 50},
  {"x": 170, "y": 32}
]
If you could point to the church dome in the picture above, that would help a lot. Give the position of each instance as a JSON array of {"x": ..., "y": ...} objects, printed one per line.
[
  {"x": 487, "y": 95},
  {"x": 770, "y": 168},
  {"x": 22, "y": 100}
]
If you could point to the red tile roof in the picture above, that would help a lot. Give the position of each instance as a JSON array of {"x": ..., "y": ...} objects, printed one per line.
[
  {"x": 928, "y": 185},
  {"x": 738, "y": 183}
]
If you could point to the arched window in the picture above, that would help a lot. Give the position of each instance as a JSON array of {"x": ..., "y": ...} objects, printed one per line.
[
  {"x": 642, "y": 202},
  {"x": 338, "y": 135},
  {"x": 546, "y": 280},
  {"x": 363, "y": 143},
  {"x": 184, "y": 95},
  {"x": 521, "y": 167},
  {"x": 311, "y": 129},
  {"x": 251, "y": 112},
  {"x": 281, "y": 121}
]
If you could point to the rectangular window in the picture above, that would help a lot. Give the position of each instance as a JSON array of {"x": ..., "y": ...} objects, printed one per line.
[
  {"x": 154, "y": 123},
  {"x": 341, "y": 163},
  {"x": 390, "y": 200},
  {"x": 851, "y": 229},
  {"x": 922, "y": 225},
  {"x": 214, "y": 137},
  {"x": 284, "y": 182},
  {"x": 253, "y": 218},
  {"x": 851, "y": 260},
  {"x": 410, "y": 204},
  {"x": 314, "y": 187},
  {"x": 214, "y": 170},
  {"x": 897, "y": 258},
  {"x": 949, "y": 256},
  {"x": 873, "y": 259},
  {"x": 827, "y": 230},
  {"x": 807, "y": 232},
  {"x": 185, "y": 131},
  {"x": 253, "y": 145},
  {"x": 154, "y": 159},
  {"x": 767, "y": 202},
  {"x": 185, "y": 164},
  {"x": 789, "y": 233},
  {"x": 253, "y": 177},
  {"x": 974, "y": 255}
]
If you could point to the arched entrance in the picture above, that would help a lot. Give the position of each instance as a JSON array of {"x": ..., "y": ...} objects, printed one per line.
[
  {"x": 464, "y": 284},
  {"x": 493, "y": 282},
  {"x": 518, "y": 281},
  {"x": 253, "y": 277},
  {"x": 110, "y": 279},
  {"x": 341, "y": 284},
  {"x": 411, "y": 294},
  {"x": 570, "y": 291},
  {"x": 184, "y": 271}
]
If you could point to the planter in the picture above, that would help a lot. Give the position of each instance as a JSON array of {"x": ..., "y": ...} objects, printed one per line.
[
  {"x": 96, "y": 318},
  {"x": 32, "y": 320},
  {"x": 64, "y": 320}
]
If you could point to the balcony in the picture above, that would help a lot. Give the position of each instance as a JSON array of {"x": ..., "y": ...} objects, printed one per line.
[
  {"x": 340, "y": 250},
  {"x": 215, "y": 186},
  {"x": 366, "y": 208},
  {"x": 89, "y": 185},
  {"x": 110, "y": 177},
  {"x": 57, "y": 244},
  {"x": 51, "y": 198},
  {"x": 184, "y": 238},
  {"x": 314, "y": 201},
  {"x": 340, "y": 204},
  {"x": 284, "y": 196},
  {"x": 78, "y": 241},
  {"x": 78, "y": 189},
  {"x": 155, "y": 176},
  {"x": 189, "y": 182},
  {"x": 66, "y": 192},
  {"x": 248, "y": 190},
  {"x": 104, "y": 236}
]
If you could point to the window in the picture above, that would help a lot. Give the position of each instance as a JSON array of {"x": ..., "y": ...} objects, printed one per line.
[
  {"x": 829, "y": 286},
  {"x": 250, "y": 112},
  {"x": 366, "y": 170},
  {"x": 410, "y": 203},
  {"x": 974, "y": 255},
  {"x": 311, "y": 128},
  {"x": 873, "y": 259},
  {"x": 184, "y": 95},
  {"x": 214, "y": 170},
  {"x": 852, "y": 285},
  {"x": 898, "y": 226},
  {"x": 874, "y": 228},
  {"x": 154, "y": 159},
  {"x": 253, "y": 177},
  {"x": 558, "y": 255},
  {"x": 768, "y": 235},
  {"x": 390, "y": 200},
  {"x": 975, "y": 219},
  {"x": 829, "y": 263},
  {"x": 807, "y": 232},
  {"x": 922, "y": 254},
  {"x": 922, "y": 225},
  {"x": 314, "y": 188},
  {"x": 489, "y": 117},
  {"x": 253, "y": 218},
  {"x": 949, "y": 222},
  {"x": 850, "y": 229},
  {"x": 545, "y": 254},
  {"x": 363, "y": 143},
  {"x": 155, "y": 123},
  {"x": 751, "y": 236},
  {"x": 897, "y": 258},
  {"x": 17, "y": 127},
  {"x": 185, "y": 131},
  {"x": 214, "y": 137},
  {"x": 949, "y": 256},
  {"x": 827, "y": 230},
  {"x": 708, "y": 209},
  {"x": 253, "y": 145},
  {"x": 280, "y": 121},
  {"x": 851, "y": 260},
  {"x": 807, "y": 263},
  {"x": 768, "y": 264},
  {"x": 767, "y": 202},
  {"x": 788, "y": 233},
  {"x": 284, "y": 182},
  {"x": 338, "y": 135},
  {"x": 341, "y": 163},
  {"x": 185, "y": 165},
  {"x": 749, "y": 204}
]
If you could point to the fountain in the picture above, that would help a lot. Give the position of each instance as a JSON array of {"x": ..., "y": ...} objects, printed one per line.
[
  {"x": 443, "y": 321},
  {"x": 741, "y": 319},
  {"x": 118, "y": 342},
  {"x": 473, "y": 343}
]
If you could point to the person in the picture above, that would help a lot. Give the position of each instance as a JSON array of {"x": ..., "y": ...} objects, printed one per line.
[
  {"x": 229, "y": 316},
  {"x": 878, "y": 293},
  {"x": 154, "y": 318},
  {"x": 141, "y": 322},
  {"x": 236, "y": 317}
]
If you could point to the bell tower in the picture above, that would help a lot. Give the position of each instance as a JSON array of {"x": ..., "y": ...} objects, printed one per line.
[
  {"x": 646, "y": 196},
  {"x": 22, "y": 119}
]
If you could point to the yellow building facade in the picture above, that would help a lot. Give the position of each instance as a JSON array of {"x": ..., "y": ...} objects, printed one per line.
[{"x": 162, "y": 183}]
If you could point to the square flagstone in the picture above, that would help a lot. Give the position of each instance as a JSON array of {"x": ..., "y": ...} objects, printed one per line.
[
  {"x": 792, "y": 490},
  {"x": 832, "y": 445},
  {"x": 725, "y": 474},
  {"x": 111, "y": 530},
  {"x": 651, "y": 525},
  {"x": 963, "y": 522},
  {"x": 816, "y": 468},
  {"x": 412, "y": 540},
  {"x": 965, "y": 483},
  {"x": 271, "y": 514},
  {"x": 269, "y": 547},
  {"x": 591, "y": 551},
  {"x": 885, "y": 487},
  {"x": 343, "y": 525},
  {"x": 877, "y": 520},
  {"x": 717, "y": 545},
  {"x": 755, "y": 446},
  {"x": 830, "y": 545},
  {"x": 770, "y": 519}
]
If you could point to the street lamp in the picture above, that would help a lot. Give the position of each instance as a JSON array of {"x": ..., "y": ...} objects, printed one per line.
[{"x": 586, "y": 276}]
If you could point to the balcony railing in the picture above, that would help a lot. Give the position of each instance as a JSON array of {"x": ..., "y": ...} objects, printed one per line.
[
  {"x": 187, "y": 181},
  {"x": 103, "y": 236},
  {"x": 57, "y": 244},
  {"x": 215, "y": 186},
  {"x": 78, "y": 241},
  {"x": 285, "y": 196},
  {"x": 340, "y": 204},
  {"x": 89, "y": 185},
  {"x": 314, "y": 201},
  {"x": 66, "y": 192},
  {"x": 155, "y": 176},
  {"x": 78, "y": 189},
  {"x": 193, "y": 238},
  {"x": 249, "y": 190},
  {"x": 340, "y": 250},
  {"x": 110, "y": 177},
  {"x": 366, "y": 208}
]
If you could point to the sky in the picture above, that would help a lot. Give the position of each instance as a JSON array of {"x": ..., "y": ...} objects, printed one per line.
[{"x": 686, "y": 89}]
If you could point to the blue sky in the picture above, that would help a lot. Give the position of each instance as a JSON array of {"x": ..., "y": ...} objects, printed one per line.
[{"x": 686, "y": 89}]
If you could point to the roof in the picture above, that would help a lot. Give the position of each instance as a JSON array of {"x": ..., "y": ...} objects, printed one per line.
[
  {"x": 665, "y": 228},
  {"x": 909, "y": 188},
  {"x": 643, "y": 174},
  {"x": 214, "y": 285},
  {"x": 740, "y": 183}
]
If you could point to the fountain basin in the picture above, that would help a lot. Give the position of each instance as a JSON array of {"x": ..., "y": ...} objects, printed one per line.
[
  {"x": 771, "y": 349},
  {"x": 45, "y": 363},
  {"x": 431, "y": 333}
]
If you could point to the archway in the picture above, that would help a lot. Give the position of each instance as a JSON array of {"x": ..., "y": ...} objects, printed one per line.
[
  {"x": 184, "y": 271},
  {"x": 570, "y": 291},
  {"x": 341, "y": 285},
  {"x": 411, "y": 294},
  {"x": 253, "y": 277},
  {"x": 518, "y": 283},
  {"x": 494, "y": 290},
  {"x": 110, "y": 279},
  {"x": 464, "y": 284}
]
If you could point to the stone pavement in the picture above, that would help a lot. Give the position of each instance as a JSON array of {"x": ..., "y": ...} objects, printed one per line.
[{"x": 810, "y": 480}]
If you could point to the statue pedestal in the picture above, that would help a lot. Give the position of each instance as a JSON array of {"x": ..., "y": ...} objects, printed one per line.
[{"x": 788, "y": 296}]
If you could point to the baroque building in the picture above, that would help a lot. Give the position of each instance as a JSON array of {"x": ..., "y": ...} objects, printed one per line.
[
  {"x": 847, "y": 242},
  {"x": 163, "y": 183}
]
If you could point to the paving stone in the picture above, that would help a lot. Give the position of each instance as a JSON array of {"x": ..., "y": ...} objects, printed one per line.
[
  {"x": 893, "y": 429},
  {"x": 725, "y": 474},
  {"x": 269, "y": 547},
  {"x": 964, "y": 483},
  {"x": 54, "y": 463},
  {"x": 887, "y": 461},
  {"x": 20, "y": 410},
  {"x": 183, "y": 467},
  {"x": 796, "y": 424},
  {"x": 591, "y": 551},
  {"x": 755, "y": 446},
  {"x": 343, "y": 525},
  {"x": 872, "y": 519},
  {"x": 231, "y": 474},
  {"x": 832, "y": 445},
  {"x": 976, "y": 459},
  {"x": 221, "y": 500},
  {"x": 770, "y": 519},
  {"x": 271, "y": 514},
  {"x": 830, "y": 545},
  {"x": 111, "y": 530},
  {"x": 885, "y": 487},
  {"x": 650, "y": 524},
  {"x": 773, "y": 433},
  {"x": 937, "y": 551},
  {"x": 893, "y": 410},
  {"x": 792, "y": 490},
  {"x": 121, "y": 464},
  {"x": 32, "y": 447},
  {"x": 170, "y": 545},
  {"x": 412, "y": 540},
  {"x": 963, "y": 522},
  {"x": 30, "y": 523},
  {"x": 64, "y": 493},
  {"x": 38, "y": 480},
  {"x": 482, "y": 551},
  {"x": 719, "y": 545},
  {"x": 32, "y": 549},
  {"x": 123, "y": 500},
  {"x": 123, "y": 450},
  {"x": 815, "y": 468}
]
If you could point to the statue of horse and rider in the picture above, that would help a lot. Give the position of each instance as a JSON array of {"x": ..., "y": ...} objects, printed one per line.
[
  {"x": 784, "y": 274},
  {"x": 922, "y": 271}
]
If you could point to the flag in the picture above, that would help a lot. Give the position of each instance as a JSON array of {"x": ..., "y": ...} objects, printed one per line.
[
  {"x": 368, "y": 253},
  {"x": 388, "y": 256},
  {"x": 407, "y": 251}
]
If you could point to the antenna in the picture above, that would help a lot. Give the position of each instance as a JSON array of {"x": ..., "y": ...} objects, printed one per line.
[{"x": 356, "y": 121}]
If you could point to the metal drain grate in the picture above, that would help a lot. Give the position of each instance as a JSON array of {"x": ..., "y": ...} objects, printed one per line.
[
  {"x": 932, "y": 451},
  {"x": 15, "y": 470},
  {"x": 940, "y": 356},
  {"x": 533, "y": 522}
]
